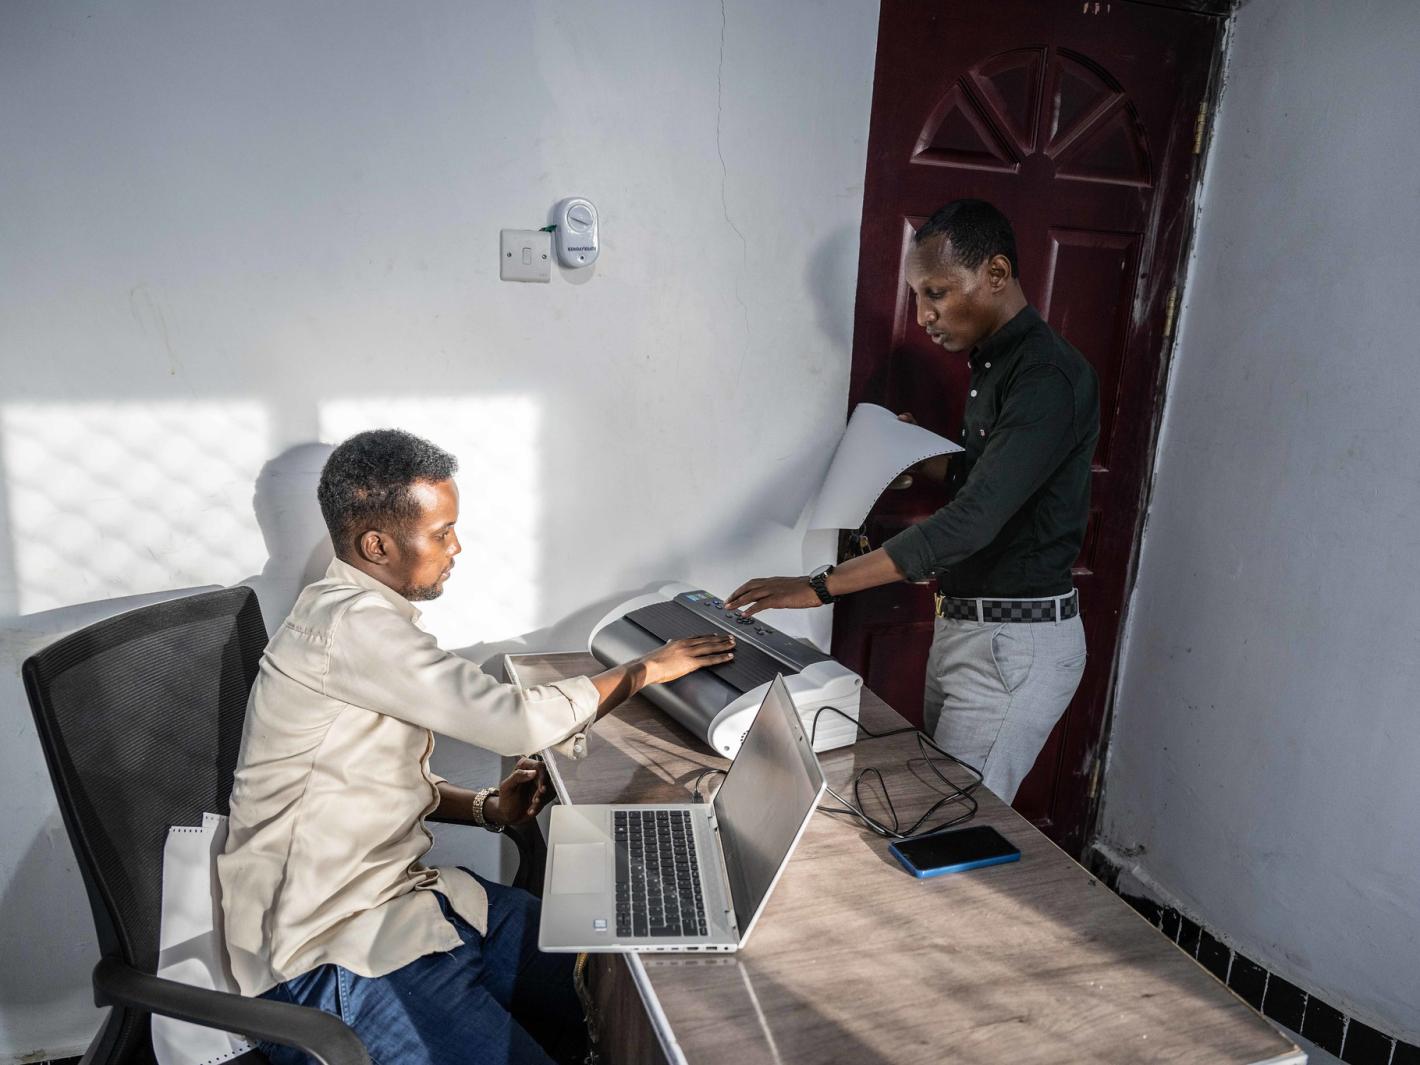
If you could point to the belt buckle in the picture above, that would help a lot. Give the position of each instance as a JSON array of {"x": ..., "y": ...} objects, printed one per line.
[{"x": 938, "y": 598}]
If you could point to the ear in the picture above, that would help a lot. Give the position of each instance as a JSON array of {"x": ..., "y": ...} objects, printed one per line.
[
  {"x": 375, "y": 547},
  {"x": 998, "y": 272}
]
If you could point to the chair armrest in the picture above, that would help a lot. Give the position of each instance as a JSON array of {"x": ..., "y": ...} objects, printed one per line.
[{"x": 322, "y": 1035}]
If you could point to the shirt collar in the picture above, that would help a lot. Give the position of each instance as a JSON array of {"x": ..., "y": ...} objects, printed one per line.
[
  {"x": 1000, "y": 344},
  {"x": 348, "y": 574}
]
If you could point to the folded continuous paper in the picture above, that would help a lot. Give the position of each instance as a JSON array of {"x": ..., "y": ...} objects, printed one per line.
[
  {"x": 874, "y": 450},
  {"x": 190, "y": 946}
]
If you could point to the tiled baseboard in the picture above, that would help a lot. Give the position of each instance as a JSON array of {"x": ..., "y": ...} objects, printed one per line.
[{"x": 1272, "y": 996}]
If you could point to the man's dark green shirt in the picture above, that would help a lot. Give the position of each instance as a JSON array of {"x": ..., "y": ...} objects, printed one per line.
[{"x": 1016, "y": 523}]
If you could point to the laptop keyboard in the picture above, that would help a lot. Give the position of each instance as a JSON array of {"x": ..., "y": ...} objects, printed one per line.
[{"x": 657, "y": 875}]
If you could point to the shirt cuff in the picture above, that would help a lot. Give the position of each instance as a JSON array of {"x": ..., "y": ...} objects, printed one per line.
[
  {"x": 584, "y": 697},
  {"x": 911, "y": 553}
]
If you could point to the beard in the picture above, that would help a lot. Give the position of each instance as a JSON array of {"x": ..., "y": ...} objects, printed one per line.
[{"x": 422, "y": 593}]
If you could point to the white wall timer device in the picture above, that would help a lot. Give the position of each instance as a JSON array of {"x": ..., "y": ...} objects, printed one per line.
[{"x": 577, "y": 239}]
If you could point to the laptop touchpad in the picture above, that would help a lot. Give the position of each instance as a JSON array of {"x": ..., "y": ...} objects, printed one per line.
[{"x": 578, "y": 868}]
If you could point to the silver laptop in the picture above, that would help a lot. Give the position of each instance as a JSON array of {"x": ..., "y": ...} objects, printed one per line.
[{"x": 691, "y": 877}]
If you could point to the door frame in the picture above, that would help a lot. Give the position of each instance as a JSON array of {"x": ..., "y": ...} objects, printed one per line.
[{"x": 1089, "y": 817}]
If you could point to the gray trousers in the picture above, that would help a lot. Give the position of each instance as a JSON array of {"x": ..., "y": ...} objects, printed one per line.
[{"x": 994, "y": 692}]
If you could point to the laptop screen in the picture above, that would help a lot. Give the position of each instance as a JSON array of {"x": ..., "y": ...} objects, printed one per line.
[{"x": 766, "y": 798}]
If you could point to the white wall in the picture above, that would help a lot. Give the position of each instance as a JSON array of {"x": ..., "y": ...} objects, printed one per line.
[
  {"x": 1263, "y": 768},
  {"x": 231, "y": 233}
]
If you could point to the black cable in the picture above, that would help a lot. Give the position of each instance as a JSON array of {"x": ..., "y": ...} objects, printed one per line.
[
  {"x": 958, "y": 794},
  {"x": 695, "y": 790}
]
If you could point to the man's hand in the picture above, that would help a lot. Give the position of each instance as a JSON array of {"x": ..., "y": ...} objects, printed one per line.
[
  {"x": 521, "y": 796},
  {"x": 773, "y": 593},
  {"x": 679, "y": 657},
  {"x": 934, "y": 469}
]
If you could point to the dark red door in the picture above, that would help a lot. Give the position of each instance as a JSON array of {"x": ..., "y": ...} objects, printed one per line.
[{"x": 1077, "y": 120}]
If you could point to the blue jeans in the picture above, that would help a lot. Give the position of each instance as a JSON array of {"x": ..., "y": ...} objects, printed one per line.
[{"x": 493, "y": 1001}]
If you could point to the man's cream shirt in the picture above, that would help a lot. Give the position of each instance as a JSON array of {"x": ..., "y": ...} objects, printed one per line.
[{"x": 322, "y": 862}]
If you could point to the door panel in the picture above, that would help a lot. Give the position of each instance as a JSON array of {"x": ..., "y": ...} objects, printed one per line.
[{"x": 1079, "y": 125}]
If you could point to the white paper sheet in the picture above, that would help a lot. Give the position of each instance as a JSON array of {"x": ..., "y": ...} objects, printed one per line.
[
  {"x": 874, "y": 450},
  {"x": 191, "y": 949}
]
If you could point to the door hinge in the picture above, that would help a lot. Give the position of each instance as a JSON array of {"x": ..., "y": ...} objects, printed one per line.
[
  {"x": 1199, "y": 124},
  {"x": 1169, "y": 308},
  {"x": 1095, "y": 778}
]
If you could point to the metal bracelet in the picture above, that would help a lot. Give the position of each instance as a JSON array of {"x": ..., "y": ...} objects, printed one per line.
[{"x": 476, "y": 809}]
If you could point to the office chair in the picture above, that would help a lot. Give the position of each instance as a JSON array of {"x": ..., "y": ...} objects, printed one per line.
[{"x": 140, "y": 720}]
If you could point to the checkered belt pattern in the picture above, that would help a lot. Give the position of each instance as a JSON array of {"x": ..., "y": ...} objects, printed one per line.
[{"x": 1057, "y": 608}]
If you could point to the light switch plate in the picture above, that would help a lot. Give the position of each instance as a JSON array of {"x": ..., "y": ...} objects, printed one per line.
[{"x": 525, "y": 255}]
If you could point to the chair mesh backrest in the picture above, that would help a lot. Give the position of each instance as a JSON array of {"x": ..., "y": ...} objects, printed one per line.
[{"x": 140, "y": 717}]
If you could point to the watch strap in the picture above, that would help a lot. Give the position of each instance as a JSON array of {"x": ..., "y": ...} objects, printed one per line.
[{"x": 480, "y": 799}]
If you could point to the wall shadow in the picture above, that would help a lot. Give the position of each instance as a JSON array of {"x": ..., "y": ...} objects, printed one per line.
[
  {"x": 298, "y": 547},
  {"x": 832, "y": 269}
]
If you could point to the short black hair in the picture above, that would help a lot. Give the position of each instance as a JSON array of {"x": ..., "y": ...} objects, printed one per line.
[
  {"x": 977, "y": 231},
  {"x": 366, "y": 480}
]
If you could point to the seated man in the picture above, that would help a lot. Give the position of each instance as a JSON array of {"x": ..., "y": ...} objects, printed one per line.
[{"x": 325, "y": 899}]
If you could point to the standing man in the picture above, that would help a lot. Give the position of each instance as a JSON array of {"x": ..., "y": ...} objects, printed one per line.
[{"x": 1008, "y": 649}]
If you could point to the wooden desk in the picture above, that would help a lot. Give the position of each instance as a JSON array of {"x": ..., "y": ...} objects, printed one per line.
[{"x": 854, "y": 961}]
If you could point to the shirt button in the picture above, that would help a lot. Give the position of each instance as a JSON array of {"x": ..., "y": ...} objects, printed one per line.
[
  {"x": 988, "y": 366},
  {"x": 973, "y": 392}
]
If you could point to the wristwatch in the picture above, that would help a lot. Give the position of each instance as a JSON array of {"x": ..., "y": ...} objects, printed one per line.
[
  {"x": 818, "y": 581},
  {"x": 476, "y": 809}
]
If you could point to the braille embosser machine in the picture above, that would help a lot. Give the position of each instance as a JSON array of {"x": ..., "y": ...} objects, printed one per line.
[{"x": 718, "y": 703}]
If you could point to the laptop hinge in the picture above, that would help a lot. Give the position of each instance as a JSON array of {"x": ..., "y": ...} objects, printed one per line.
[{"x": 724, "y": 873}]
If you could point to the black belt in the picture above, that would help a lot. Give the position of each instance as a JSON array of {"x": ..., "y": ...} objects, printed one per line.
[{"x": 1052, "y": 608}]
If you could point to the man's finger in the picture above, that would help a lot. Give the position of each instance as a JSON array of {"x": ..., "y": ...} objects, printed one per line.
[
  {"x": 707, "y": 645},
  {"x": 742, "y": 589},
  {"x": 711, "y": 655},
  {"x": 747, "y": 591}
]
